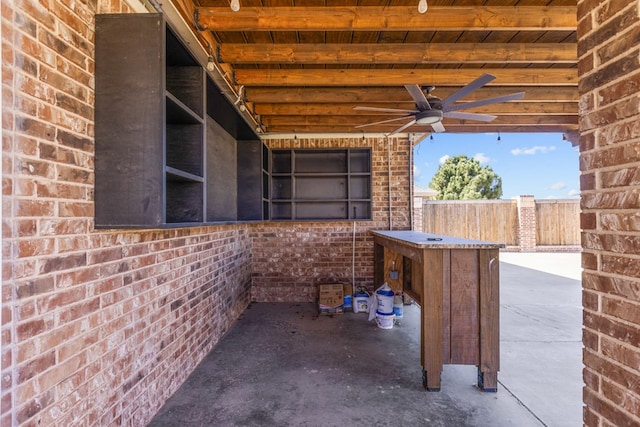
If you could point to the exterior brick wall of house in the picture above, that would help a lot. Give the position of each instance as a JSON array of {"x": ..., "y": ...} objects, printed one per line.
[
  {"x": 98, "y": 327},
  {"x": 609, "y": 88},
  {"x": 291, "y": 258}
]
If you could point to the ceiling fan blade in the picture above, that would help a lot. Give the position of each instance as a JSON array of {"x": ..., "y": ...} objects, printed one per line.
[
  {"x": 418, "y": 96},
  {"x": 466, "y": 90},
  {"x": 385, "y": 110},
  {"x": 381, "y": 122},
  {"x": 488, "y": 101},
  {"x": 438, "y": 127},
  {"x": 469, "y": 116},
  {"x": 403, "y": 127}
]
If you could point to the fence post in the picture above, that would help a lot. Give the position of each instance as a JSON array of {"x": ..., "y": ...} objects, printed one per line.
[
  {"x": 526, "y": 223},
  {"x": 418, "y": 212}
]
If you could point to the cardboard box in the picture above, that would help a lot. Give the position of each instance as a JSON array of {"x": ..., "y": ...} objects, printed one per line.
[{"x": 331, "y": 298}]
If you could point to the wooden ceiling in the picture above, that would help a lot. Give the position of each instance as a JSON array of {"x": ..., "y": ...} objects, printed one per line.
[{"x": 301, "y": 66}]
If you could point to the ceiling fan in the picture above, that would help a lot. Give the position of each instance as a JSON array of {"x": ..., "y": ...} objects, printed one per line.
[{"x": 430, "y": 110}]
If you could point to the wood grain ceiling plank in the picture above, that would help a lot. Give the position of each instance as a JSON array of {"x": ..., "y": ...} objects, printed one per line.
[
  {"x": 558, "y": 37},
  {"x": 473, "y": 36},
  {"x": 230, "y": 37},
  {"x": 383, "y": 95},
  {"x": 445, "y": 36},
  {"x": 397, "y": 18},
  {"x": 500, "y": 36},
  {"x": 399, "y": 53},
  {"x": 255, "y": 37},
  {"x": 396, "y": 77}
]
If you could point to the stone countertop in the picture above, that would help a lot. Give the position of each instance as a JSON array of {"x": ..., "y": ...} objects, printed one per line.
[{"x": 434, "y": 241}]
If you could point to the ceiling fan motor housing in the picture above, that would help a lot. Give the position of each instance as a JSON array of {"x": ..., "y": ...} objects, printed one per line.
[{"x": 436, "y": 103}]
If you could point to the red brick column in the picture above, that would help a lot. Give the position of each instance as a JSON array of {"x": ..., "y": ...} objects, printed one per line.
[
  {"x": 609, "y": 90},
  {"x": 526, "y": 223}
]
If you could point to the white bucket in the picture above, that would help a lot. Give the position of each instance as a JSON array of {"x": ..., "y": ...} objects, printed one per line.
[
  {"x": 384, "y": 295},
  {"x": 385, "y": 321},
  {"x": 361, "y": 303},
  {"x": 398, "y": 306}
]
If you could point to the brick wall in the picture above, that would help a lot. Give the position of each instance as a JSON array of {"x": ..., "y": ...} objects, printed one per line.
[
  {"x": 98, "y": 327},
  {"x": 609, "y": 88},
  {"x": 291, "y": 258}
]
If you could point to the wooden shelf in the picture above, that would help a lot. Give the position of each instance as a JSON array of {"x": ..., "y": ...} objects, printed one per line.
[{"x": 321, "y": 184}]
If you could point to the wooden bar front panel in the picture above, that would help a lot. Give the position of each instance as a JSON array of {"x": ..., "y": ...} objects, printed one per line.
[{"x": 464, "y": 319}]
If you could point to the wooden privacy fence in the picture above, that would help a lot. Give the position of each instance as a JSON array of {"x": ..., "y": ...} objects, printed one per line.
[
  {"x": 558, "y": 222},
  {"x": 522, "y": 224}
]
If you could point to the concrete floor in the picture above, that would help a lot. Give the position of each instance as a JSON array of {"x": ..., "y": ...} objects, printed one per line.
[{"x": 283, "y": 365}]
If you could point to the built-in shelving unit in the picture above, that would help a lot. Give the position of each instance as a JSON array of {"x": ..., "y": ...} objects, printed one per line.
[
  {"x": 170, "y": 148},
  {"x": 319, "y": 184}
]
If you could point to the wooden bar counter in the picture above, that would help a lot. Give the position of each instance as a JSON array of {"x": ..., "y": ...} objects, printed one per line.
[{"x": 456, "y": 283}]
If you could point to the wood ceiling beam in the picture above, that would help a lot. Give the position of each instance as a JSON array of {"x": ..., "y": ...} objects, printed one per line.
[
  {"x": 397, "y": 77},
  {"x": 392, "y": 18},
  {"x": 365, "y": 95},
  {"x": 482, "y": 128},
  {"x": 311, "y": 120},
  {"x": 508, "y": 108},
  {"x": 398, "y": 53}
]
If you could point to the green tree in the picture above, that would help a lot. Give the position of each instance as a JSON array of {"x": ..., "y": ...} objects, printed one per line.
[{"x": 464, "y": 178}]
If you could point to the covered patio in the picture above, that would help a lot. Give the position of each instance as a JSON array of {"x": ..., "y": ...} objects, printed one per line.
[{"x": 103, "y": 320}]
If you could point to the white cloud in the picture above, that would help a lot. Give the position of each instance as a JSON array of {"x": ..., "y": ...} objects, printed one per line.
[
  {"x": 573, "y": 192},
  {"x": 416, "y": 170},
  {"x": 543, "y": 149},
  {"x": 558, "y": 186},
  {"x": 443, "y": 158},
  {"x": 480, "y": 157}
]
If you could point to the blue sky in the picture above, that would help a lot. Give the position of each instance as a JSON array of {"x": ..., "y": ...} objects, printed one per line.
[{"x": 538, "y": 164}]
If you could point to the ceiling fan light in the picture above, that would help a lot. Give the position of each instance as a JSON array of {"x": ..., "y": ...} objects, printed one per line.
[
  {"x": 422, "y": 6},
  {"x": 235, "y": 5},
  {"x": 428, "y": 117}
]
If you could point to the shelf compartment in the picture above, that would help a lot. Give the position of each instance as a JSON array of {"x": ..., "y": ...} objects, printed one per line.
[
  {"x": 360, "y": 209},
  {"x": 184, "y": 201},
  {"x": 281, "y": 161},
  {"x": 186, "y": 84},
  {"x": 265, "y": 210},
  {"x": 281, "y": 188},
  {"x": 333, "y": 161},
  {"x": 281, "y": 210},
  {"x": 321, "y": 187},
  {"x": 321, "y": 210},
  {"x": 184, "y": 148},
  {"x": 359, "y": 187},
  {"x": 265, "y": 185},
  {"x": 359, "y": 161}
]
